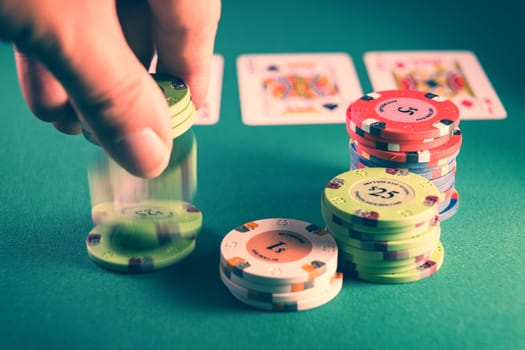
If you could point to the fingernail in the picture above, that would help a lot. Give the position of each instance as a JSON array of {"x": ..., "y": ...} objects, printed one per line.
[{"x": 143, "y": 153}]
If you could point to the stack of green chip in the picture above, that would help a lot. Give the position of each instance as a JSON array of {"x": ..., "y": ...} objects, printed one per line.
[
  {"x": 182, "y": 109},
  {"x": 386, "y": 224},
  {"x": 143, "y": 225}
]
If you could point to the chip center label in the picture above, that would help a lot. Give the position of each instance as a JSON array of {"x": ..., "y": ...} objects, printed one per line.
[
  {"x": 381, "y": 192},
  {"x": 147, "y": 212},
  {"x": 406, "y": 110},
  {"x": 279, "y": 246}
]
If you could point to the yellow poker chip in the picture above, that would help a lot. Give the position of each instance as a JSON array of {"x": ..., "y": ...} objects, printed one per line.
[
  {"x": 149, "y": 223},
  {"x": 178, "y": 96},
  {"x": 180, "y": 126},
  {"x": 352, "y": 268},
  {"x": 184, "y": 115},
  {"x": 424, "y": 270},
  {"x": 278, "y": 251},
  {"x": 179, "y": 180},
  {"x": 108, "y": 252},
  {"x": 370, "y": 241},
  {"x": 102, "y": 212},
  {"x": 379, "y": 256},
  {"x": 175, "y": 90},
  {"x": 344, "y": 229},
  {"x": 382, "y": 197},
  {"x": 416, "y": 240},
  {"x": 346, "y": 258}
]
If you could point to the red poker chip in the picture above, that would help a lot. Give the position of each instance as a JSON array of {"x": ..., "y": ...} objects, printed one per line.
[
  {"x": 433, "y": 156},
  {"x": 404, "y": 115},
  {"x": 412, "y": 146}
]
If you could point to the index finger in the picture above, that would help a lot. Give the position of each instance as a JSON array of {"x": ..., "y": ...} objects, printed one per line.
[{"x": 185, "y": 35}]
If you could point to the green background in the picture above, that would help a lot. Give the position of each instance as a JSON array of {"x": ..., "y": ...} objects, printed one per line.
[{"x": 53, "y": 296}]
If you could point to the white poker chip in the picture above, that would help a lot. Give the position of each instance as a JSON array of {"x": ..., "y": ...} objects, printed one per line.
[
  {"x": 288, "y": 297},
  {"x": 315, "y": 298},
  {"x": 324, "y": 279},
  {"x": 278, "y": 251}
]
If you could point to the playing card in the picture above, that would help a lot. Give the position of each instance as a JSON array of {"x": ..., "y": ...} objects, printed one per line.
[
  {"x": 456, "y": 75},
  {"x": 296, "y": 88},
  {"x": 209, "y": 113}
]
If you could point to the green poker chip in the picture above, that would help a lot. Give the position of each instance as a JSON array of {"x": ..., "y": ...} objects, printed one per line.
[
  {"x": 108, "y": 252},
  {"x": 158, "y": 219},
  {"x": 144, "y": 236},
  {"x": 175, "y": 90},
  {"x": 423, "y": 270},
  {"x": 181, "y": 108},
  {"x": 183, "y": 121}
]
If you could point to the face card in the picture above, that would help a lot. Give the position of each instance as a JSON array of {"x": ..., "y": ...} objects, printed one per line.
[
  {"x": 456, "y": 75},
  {"x": 209, "y": 113},
  {"x": 296, "y": 88}
]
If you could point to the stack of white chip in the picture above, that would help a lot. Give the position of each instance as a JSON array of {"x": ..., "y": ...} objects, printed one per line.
[{"x": 280, "y": 265}]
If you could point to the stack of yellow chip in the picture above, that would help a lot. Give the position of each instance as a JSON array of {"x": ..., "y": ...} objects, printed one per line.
[{"x": 386, "y": 224}]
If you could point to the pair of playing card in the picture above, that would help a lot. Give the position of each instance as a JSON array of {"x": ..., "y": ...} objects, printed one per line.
[{"x": 317, "y": 88}]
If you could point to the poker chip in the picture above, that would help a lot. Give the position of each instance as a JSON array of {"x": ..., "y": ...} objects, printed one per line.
[
  {"x": 389, "y": 145},
  {"x": 340, "y": 227},
  {"x": 280, "y": 264},
  {"x": 277, "y": 288},
  {"x": 179, "y": 180},
  {"x": 449, "y": 149},
  {"x": 432, "y": 233},
  {"x": 143, "y": 236},
  {"x": 381, "y": 197},
  {"x": 407, "y": 115},
  {"x": 104, "y": 250},
  {"x": 378, "y": 256},
  {"x": 425, "y": 169},
  {"x": 424, "y": 270},
  {"x": 181, "y": 108},
  {"x": 258, "y": 295},
  {"x": 344, "y": 233},
  {"x": 182, "y": 116},
  {"x": 170, "y": 218},
  {"x": 183, "y": 122},
  {"x": 451, "y": 208},
  {"x": 278, "y": 251},
  {"x": 383, "y": 266},
  {"x": 315, "y": 298},
  {"x": 175, "y": 90}
]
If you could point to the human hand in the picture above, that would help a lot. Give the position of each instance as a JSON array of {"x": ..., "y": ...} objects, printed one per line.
[{"x": 85, "y": 60}]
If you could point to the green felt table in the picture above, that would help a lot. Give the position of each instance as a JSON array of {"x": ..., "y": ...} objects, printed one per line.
[{"x": 53, "y": 296}]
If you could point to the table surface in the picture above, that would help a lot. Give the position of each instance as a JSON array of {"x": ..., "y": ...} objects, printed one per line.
[{"x": 53, "y": 296}]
